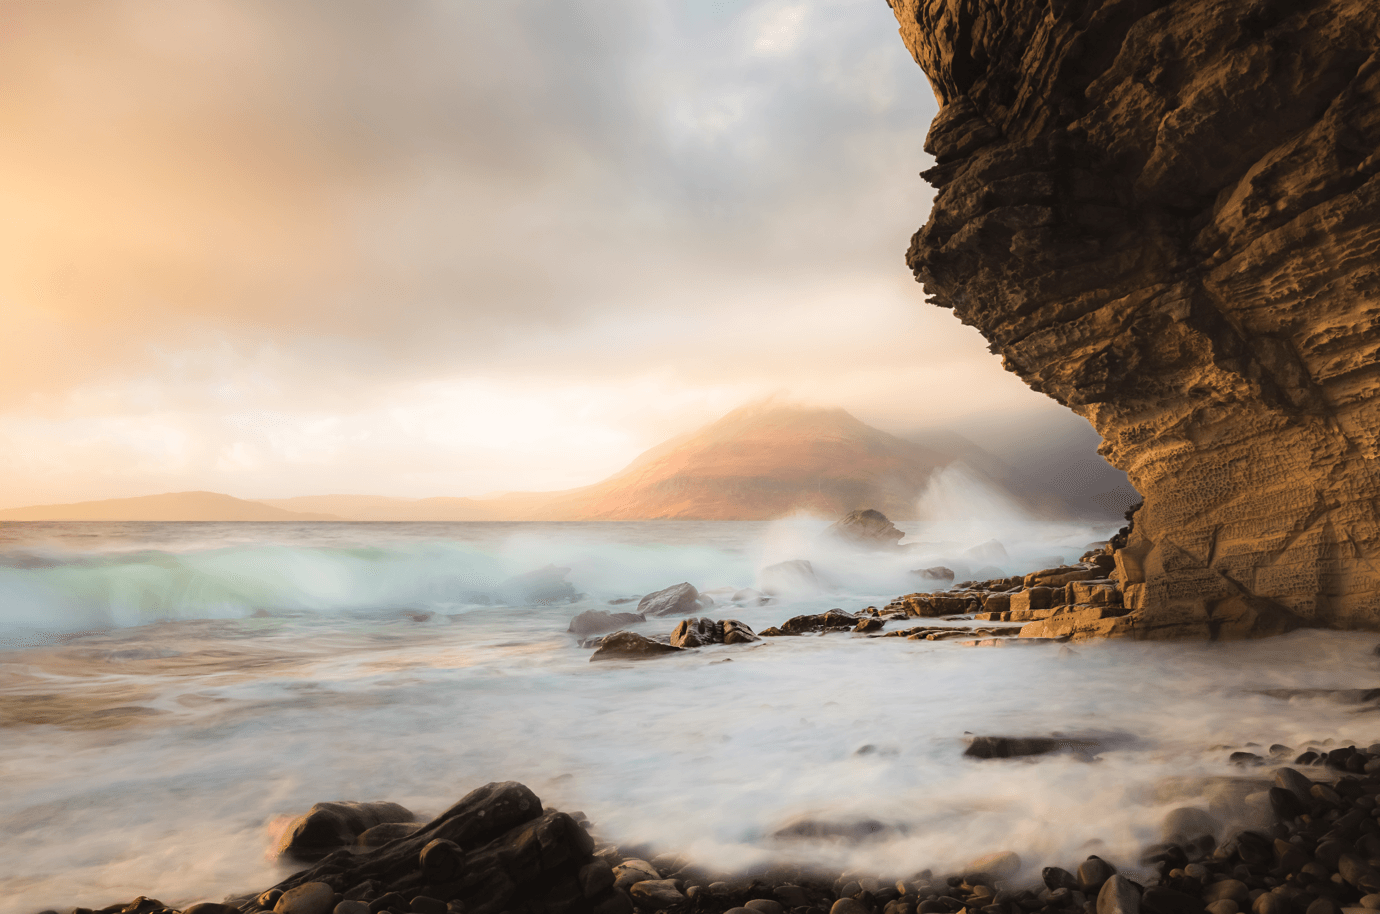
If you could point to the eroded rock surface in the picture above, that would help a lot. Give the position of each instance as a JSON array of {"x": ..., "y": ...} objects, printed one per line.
[{"x": 1166, "y": 215}]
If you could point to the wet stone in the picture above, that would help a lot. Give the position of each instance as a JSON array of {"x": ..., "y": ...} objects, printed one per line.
[
  {"x": 1286, "y": 804},
  {"x": 1093, "y": 872},
  {"x": 1118, "y": 896},
  {"x": 442, "y": 861},
  {"x": 657, "y": 893},
  {"x": 308, "y": 898}
]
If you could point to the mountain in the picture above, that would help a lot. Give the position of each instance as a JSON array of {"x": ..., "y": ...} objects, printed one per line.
[
  {"x": 757, "y": 463},
  {"x": 760, "y": 462},
  {"x": 174, "y": 506}
]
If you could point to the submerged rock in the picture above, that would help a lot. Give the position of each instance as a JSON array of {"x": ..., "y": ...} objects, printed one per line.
[
  {"x": 988, "y": 747},
  {"x": 806, "y": 828},
  {"x": 631, "y": 646}
]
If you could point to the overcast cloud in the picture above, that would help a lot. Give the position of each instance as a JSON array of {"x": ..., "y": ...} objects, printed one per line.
[{"x": 445, "y": 248}]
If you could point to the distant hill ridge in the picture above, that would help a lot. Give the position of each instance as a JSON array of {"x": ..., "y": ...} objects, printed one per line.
[
  {"x": 759, "y": 462},
  {"x": 173, "y": 506}
]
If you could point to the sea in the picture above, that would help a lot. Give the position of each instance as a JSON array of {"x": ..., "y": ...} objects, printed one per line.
[{"x": 172, "y": 693}]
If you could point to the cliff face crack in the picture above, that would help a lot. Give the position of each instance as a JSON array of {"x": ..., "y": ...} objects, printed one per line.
[{"x": 1166, "y": 215}]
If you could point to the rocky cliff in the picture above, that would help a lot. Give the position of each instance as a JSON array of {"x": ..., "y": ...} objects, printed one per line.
[{"x": 1166, "y": 215}]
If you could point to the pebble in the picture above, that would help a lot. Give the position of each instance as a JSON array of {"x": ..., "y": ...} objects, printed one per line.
[
  {"x": 1227, "y": 890},
  {"x": 352, "y": 907},
  {"x": 1371, "y": 901},
  {"x": 791, "y": 896},
  {"x": 632, "y": 871},
  {"x": 1002, "y": 864},
  {"x": 765, "y": 906},
  {"x": 1225, "y": 906},
  {"x": 1093, "y": 872},
  {"x": 1118, "y": 896},
  {"x": 657, "y": 893},
  {"x": 1270, "y": 903},
  {"x": 849, "y": 906},
  {"x": 307, "y": 898},
  {"x": 595, "y": 878}
]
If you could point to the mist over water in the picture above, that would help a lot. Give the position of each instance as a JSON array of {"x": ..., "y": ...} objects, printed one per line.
[{"x": 168, "y": 690}]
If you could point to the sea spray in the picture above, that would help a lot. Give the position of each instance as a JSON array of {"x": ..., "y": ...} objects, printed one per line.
[{"x": 151, "y": 759}]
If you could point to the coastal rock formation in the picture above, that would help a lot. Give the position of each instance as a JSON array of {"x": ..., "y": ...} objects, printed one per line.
[
  {"x": 1166, "y": 216},
  {"x": 866, "y": 529},
  {"x": 495, "y": 850}
]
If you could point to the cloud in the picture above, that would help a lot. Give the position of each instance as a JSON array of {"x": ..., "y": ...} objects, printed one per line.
[{"x": 341, "y": 213}]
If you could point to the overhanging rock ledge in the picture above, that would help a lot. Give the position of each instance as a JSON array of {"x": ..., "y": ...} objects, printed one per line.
[{"x": 1166, "y": 216}]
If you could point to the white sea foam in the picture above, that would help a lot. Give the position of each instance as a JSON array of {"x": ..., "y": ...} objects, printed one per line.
[{"x": 343, "y": 694}]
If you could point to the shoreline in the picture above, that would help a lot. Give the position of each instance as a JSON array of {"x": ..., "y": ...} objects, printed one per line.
[{"x": 499, "y": 849}]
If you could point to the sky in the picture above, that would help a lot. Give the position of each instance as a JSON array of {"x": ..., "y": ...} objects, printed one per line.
[{"x": 453, "y": 248}]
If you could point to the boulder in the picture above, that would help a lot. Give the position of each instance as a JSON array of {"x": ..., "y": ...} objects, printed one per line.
[
  {"x": 697, "y": 632},
  {"x": 495, "y": 850},
  {"x": 631, "y": 646},
  {"x": 736, "y": 632},
  {"x": 866, "y": 529},
  {"x": 937, "y": 573},
  {"x": 990, "y": 747},
  {"x": 327, "y": 827},
  {"x": 679, "y": 600},
  {"x": 598, "y": 621}
]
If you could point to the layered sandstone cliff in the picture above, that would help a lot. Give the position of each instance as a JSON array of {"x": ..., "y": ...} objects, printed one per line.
[{"x": 1166, "y": 215}]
